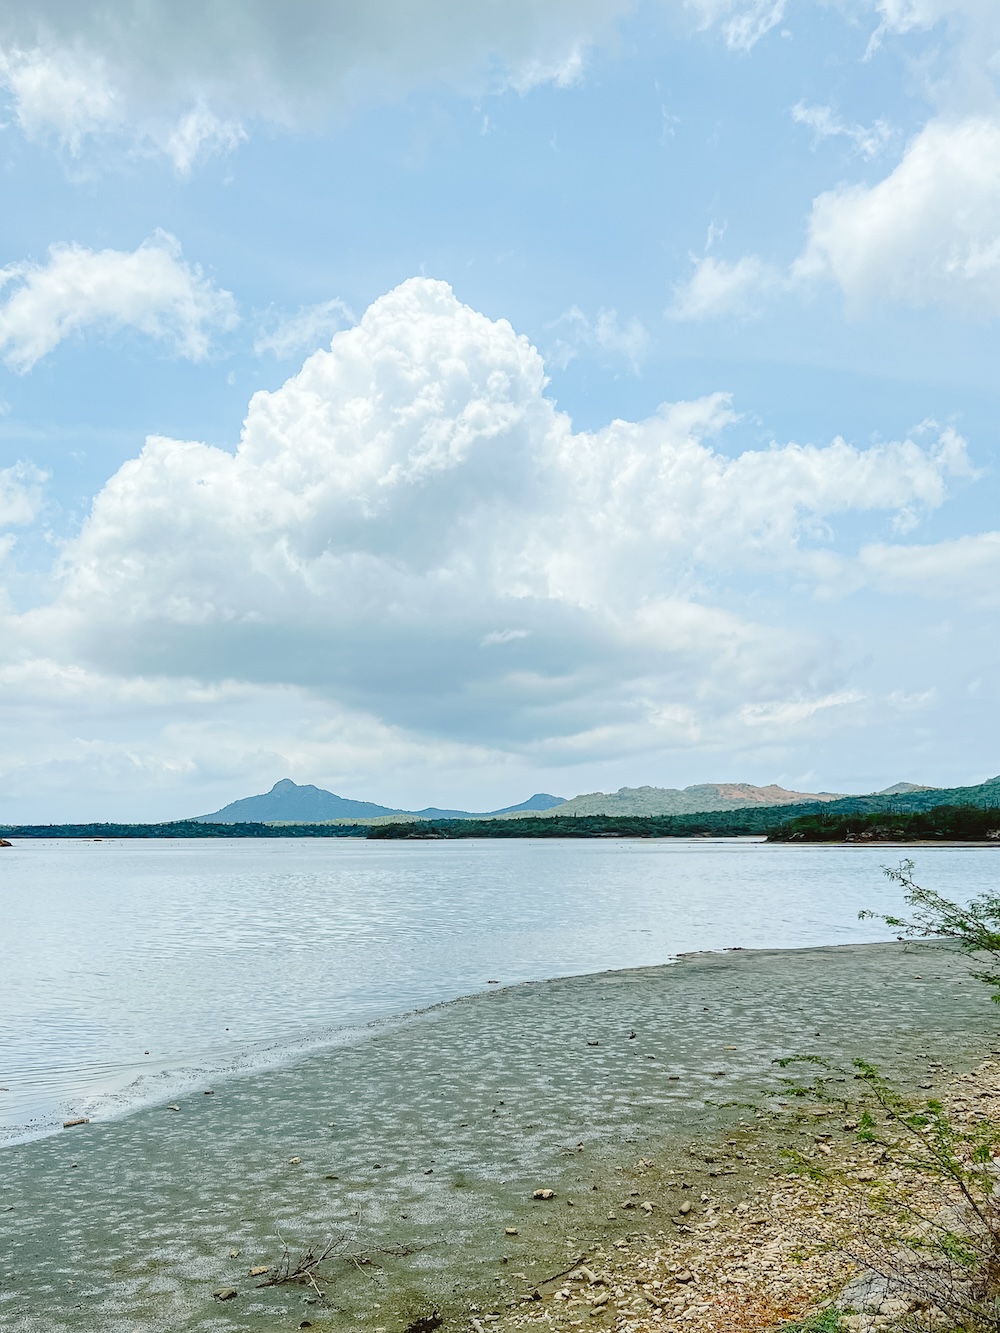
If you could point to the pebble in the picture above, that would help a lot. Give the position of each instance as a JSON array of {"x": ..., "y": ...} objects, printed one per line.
[
  {"x": 510, "y": 1231},
  {"x": 81, "y": 1120},
  {"x": 544, "y": 1194},
  {"x": 225, "y": 1293}
]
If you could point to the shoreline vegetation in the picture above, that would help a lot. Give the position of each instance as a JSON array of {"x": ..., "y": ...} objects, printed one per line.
[{"x": 868, "y": 822}]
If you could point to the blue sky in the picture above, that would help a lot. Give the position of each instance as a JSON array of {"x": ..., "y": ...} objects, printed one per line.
[{"x": 657, "y": 437}]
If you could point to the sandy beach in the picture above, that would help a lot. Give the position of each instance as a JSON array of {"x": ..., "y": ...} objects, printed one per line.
[{"x": 420, "y": 1149}]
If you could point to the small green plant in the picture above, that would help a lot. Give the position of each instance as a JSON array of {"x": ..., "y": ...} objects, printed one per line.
[
  {"x": 925, "y": 1224},
  {"x": 826, "y": 1321},
  {"x": 975, "y": 928}
]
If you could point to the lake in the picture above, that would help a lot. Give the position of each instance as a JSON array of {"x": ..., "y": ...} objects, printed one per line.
[{"x": 129, "y": 970}]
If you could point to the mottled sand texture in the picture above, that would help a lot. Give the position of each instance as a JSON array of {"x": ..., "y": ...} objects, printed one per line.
[{"x": 422, "y": 1146}]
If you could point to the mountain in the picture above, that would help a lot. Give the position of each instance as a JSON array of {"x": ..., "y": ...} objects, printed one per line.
[
  {"x": 541, "y": 801},
  {"x": 902, "y": 789},
  {"x": 698, "y": 799},
  {"x": 288, "y": 803}
]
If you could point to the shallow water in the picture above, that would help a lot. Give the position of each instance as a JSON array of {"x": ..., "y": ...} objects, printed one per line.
[{"x": 130, "y": 968}]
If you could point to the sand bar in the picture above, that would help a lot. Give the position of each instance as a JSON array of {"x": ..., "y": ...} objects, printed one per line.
[{"x": 423, "y": 1145}]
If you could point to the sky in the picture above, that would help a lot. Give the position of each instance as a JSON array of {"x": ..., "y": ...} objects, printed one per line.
[{"x": 441, "y": 403}]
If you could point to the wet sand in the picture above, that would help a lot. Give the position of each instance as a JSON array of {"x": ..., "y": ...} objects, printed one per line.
[{"x": 422, "y": 1146}]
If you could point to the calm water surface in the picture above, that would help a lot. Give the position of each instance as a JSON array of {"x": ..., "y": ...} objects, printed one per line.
[{"x": 128, "y": 969}]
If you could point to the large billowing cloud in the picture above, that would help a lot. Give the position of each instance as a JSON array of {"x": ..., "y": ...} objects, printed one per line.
[{"x": 410, "y": 528}]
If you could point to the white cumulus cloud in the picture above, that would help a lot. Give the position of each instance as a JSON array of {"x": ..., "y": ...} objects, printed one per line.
[
  {"x": 150, "y": 289},
  {"x": 20, "y": 493},
  {"x": 928, "y": 234},
  {"x": 411, "y": 496}
]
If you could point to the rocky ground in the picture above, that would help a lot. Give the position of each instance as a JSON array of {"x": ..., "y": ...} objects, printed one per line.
[{"x": 750, "y": 1242}]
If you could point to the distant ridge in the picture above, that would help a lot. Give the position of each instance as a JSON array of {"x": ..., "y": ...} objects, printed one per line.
[
  {"x": 699, "y": 799},
  {"x": 289, "y": 803}
]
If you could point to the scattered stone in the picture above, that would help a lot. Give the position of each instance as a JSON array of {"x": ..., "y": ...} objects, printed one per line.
[
  {"x": 259, "y": 1270},
  {"x": 685, "y": 1208},
  {"x": 173, "y": 1107},
  {"x": 425, "y": 1324},
  {"x": 685, "y": 1275},
  {"x": 225, "y": 1293},
  {"x": 71, "y": 1124},
  {"x": 294, "y": 1161},
  {"x": 544, "y": 1194},
  {"x": 510, "y": 1231},
  {"x": 647, "y": 1207}
]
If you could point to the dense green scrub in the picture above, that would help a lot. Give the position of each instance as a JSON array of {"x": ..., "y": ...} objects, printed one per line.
[
  {"x": 950, "y": 823},
  {"x": 184, "y": 828}
]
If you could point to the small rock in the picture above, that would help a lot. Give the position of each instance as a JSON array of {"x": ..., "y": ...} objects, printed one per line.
[
  {"x": 510, "y": 1231},
  {"x": 685, "y": 1208},
  {"x": 306, "y": 1323},
  {"x": 294, "y": 1161},
  {"x": 225, "y": 1293},
  {"x": 544, "y": 1194},
  {"x": 80, "y": 1120},
  {"x": 173, "y": 1107},
  {"x": 601, "y": 1298},
  {"x": 259, "y": 1270},
  {"x": 685, "y": 1275},
  {"x": 647, "y": 1207},
  {"x": 209, "y": 1092}
]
